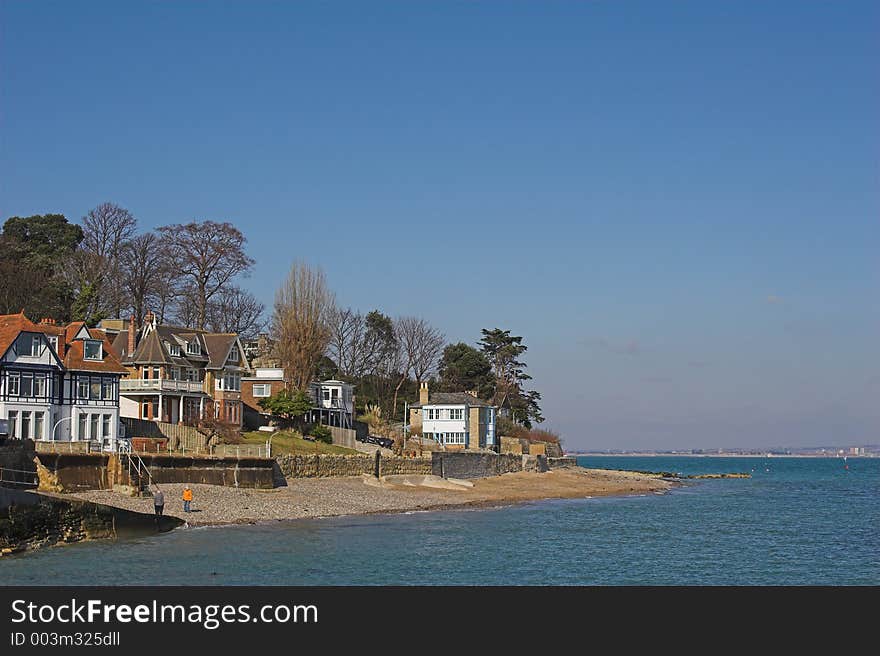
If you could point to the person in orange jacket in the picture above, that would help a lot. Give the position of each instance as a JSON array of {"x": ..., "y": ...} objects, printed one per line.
[{"x": 187, "y": 498}]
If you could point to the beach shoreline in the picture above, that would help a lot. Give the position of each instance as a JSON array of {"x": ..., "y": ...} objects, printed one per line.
[{"x": 312, "y": 498}]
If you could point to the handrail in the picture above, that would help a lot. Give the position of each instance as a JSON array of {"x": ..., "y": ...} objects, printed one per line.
[
  {"x": 124, "y": 448},
  {"x": 34, "y": 473}
]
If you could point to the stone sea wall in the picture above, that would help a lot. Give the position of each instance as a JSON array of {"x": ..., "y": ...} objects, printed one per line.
[
  {"x": 327, "y": 465},
  {"x": 465, "y": 464},
  {"x": 30, "y": 520}
]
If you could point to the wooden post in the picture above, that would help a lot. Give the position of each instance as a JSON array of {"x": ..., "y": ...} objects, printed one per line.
[{"x": 377, "y": 466}]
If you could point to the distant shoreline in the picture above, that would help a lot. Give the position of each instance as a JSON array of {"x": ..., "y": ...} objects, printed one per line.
[{"x": 712, "y": 455}]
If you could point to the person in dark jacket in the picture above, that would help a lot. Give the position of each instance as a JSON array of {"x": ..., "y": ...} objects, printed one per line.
[{"x": 158, "y": 501}]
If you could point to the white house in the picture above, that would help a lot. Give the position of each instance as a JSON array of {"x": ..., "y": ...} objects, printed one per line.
[
  {"x": 455, "y": 420},
  {"x": 58, "y": 383}
]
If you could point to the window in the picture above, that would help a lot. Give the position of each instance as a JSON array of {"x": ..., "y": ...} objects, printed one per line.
[
  {"x": 27, "y": 385},
  {"x": 25, "y": 425},
  {"x": 230, "y": 382},
  {"x": 326, "y": 395},
  {"x": 81, "y": 431},
  {"x": 92, "y": 349},
  {"x": 262, "y": 390},
  {"x": 107, "y": 389},
  {"x": 174, "y": 350},
  {"x": 233, "y": 356},
  {"x": 194, "y": 348},
  {"x": 452, "y": 438},
  {"x": 32, "y": 345},
  {"x": 93, "y": 426},
  {"x": 105, "y": 426},
  {"x": 456, "y": 413},
  {"x": 38, "y": 425},
  {"x": 175, "y": 373},
  {"x": 53, "y": 342},
  {"x": 82, "y": 388},
  {"x": 14, "y": 384},
  {"x": 95, "y": 389},
  {"x": 13, "y": 423},
  {"x": 39, "y": 385}
]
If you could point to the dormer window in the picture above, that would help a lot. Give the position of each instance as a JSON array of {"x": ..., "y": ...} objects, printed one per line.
[
  {"x": 32, "y": 345},
  {"x": 194, "y": 348},
  {"x": 92, "y": 350},
  {"x": 53, "y": 342},
  {"x": 174, "y": 349},
  {"x": 233, "y": 356}
]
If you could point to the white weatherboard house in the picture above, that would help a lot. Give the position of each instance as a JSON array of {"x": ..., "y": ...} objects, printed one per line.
[
  {"x": 58, "y": 383},
  {"x": 455, "y": 420}
]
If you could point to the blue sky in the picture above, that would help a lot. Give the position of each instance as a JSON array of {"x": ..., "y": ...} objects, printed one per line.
[{"x": 676, "y": 204}]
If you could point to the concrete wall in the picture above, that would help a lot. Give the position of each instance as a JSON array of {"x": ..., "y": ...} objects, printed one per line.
[
  {"x": 65, "y": 472},
  {"x": 17, "y": 458},
  {"x": 465, "y": 464},
  {"x": 327, "y": 465}
]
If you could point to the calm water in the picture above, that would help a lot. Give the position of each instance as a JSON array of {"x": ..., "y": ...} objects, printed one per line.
[{"x": 797, "y": 521}]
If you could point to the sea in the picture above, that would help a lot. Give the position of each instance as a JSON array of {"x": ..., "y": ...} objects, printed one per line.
[{"x": 797, "y": 521}]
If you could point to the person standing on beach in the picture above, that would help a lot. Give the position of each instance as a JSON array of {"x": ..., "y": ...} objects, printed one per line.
[
  {"x": 187, "y": 498},
  {"x": 158, "y": 501}
]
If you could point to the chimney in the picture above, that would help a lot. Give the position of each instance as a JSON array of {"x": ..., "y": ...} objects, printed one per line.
[
  {"x": 132, "y": 330},
  {"x": 149, "y": 318},
  {"x": 62, "y": 344},
  {"x": 46, "y": 321},
  {"x": 473, "y": 393},
  {"x": 423, "y": 393}
]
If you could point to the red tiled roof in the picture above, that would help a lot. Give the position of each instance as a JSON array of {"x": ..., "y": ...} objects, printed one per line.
[{"x": 10, "y": 326}]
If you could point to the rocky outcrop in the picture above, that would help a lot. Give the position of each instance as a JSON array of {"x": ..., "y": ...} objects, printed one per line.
[{"x": 30, "y": 520}]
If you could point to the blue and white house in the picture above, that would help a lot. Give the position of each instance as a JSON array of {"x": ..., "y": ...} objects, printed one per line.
[{"x": 455, "y": 420}]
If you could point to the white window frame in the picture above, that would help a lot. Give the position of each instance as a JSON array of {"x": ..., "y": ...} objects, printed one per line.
[
  {"x": 30, "y": 390},
  {"x": 36, "y": 345},
  {"x": 40, "y": 382},
  {"x": 12, "y": 419},
  {"x": 14, "y": 383},
  {"x": 92, "y": 342},
  {"x": 262, "y": 390},
  {"x": 82, "y": 388},
  {"x": 456, "y": 414},
  {"x": 194, "y": 348},
  {"x": 53, "y": 342},
  {"x": 174, "y": 349}
]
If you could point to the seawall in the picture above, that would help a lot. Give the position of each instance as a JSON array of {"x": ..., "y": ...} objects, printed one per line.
[{"x": 30, "y": 520}]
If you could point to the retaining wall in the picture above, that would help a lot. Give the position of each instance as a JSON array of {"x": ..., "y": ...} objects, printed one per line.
[
  {"x": 325, "y": 465},
  {"x": 465, "y": 464}
]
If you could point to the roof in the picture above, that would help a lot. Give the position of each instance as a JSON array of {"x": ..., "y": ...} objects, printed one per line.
[
  {"x": 11, "y": 325},
  {"x": 453, "y": 398},
  {"x": 219, "y": 345},
  {"x": 109, "y": 363},
  {"x": 153, "y": 348}
]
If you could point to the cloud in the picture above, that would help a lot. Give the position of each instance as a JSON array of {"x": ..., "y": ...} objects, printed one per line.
[
  {"x": 629, "y": 347},
  {"x": 773, "y": 299}
]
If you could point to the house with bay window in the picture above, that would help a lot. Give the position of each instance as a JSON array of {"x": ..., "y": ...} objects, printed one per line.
[
  {"x": 180, "y": 375},
  {"x": 332, "y": 400},
  {"x": 455, "y": 420},
  {"x": 58, "y": 383}
]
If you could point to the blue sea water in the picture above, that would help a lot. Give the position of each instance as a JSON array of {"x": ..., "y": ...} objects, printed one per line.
[{"x": 797, "y": 521}]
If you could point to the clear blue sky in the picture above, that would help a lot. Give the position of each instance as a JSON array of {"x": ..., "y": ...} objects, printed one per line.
[{"x": 676, "y": 204}]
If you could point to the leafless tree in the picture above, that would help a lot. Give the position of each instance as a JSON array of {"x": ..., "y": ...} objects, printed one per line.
[
  {"x": 208, "y": 255},
  {"x": 106, "y": 228},
  {"x": 300, "y": 323},
  {"x": 143, "y": 268},
  {"x": 420, "y": 347},
  {"x": 346, "y": 340},
  {"x": 234, "y": 310}
]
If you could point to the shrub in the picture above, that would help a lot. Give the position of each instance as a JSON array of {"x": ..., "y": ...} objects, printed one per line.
[
  {"x": 537, "y": 435},
  {"x": 322, "y": 434}
]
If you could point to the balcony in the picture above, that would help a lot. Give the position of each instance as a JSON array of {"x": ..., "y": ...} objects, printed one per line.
[{"x": 158, "y": 385}]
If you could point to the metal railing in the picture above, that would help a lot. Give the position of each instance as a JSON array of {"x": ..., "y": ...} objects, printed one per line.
[
  {"x": 159, "y": 385},
  {"x": 13, "y": 476},
  {"x": 134, "y": 462}
]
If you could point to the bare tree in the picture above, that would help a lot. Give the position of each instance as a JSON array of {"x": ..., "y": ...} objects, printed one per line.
[
  {"x": 300, "y": 323},
  {"x": 209, "y": 255},
  {"x": 106, "y": 229},
  {"x": 143, "y": 268},
  {"x": 346, "y": 340},
  {"x": 234, "y": 310},
  {"x": 420, "y": 347}
]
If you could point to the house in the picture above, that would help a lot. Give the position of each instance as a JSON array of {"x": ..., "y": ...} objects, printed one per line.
[
  {"x": 180, "y": 375},
  {"x": 332, "y": 400},
  {"x": 58, "y": 383},
  {"x": 455, "y": 420}
]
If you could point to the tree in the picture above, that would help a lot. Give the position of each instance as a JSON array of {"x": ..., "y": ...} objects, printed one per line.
[
  {"x": 286, "y": 404},
  {"x": 145, "y": 272},
  {"x": 503, "y": 350},
  {"x": 234, "y": 310},
  {"x": 464, "y": 368},
  {"x": 106, "y": 228},
  {"x": 208, "y": 255},
  {"x": 34, "y": 253},
  {"x": 346, "y": 341},
  {"x": 420, "y": 346},
  {"x": 299, "y": 323}
]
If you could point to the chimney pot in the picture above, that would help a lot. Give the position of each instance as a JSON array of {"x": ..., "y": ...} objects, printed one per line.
[{"x": 132, "y": 330}]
